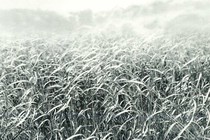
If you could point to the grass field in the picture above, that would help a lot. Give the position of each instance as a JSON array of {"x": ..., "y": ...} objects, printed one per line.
[{"x": 103, "y": 87}]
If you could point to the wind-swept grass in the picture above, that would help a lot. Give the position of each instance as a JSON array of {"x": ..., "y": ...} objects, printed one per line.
[{"x": 100, "y": 87}]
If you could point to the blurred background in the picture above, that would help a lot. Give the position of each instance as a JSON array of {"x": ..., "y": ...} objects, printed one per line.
[{"x": 127, "y": 17}]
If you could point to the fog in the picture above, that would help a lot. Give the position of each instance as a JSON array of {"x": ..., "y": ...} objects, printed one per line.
[
  {"x": 63, "y": 6},
  {"x": 128, "y": 17}
]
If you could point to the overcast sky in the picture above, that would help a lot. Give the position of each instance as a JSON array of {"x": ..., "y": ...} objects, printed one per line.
[
  {"x": 70, "y": 5},
  {"x": 64, "y": 6}
]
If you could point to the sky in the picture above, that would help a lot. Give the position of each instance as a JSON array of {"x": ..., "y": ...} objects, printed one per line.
[
  {"x": 70, "y": 5},
  {"x": 65, "y": 6}
]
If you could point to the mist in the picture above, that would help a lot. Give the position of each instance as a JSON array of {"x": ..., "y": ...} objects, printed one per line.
[{"x": 159, "y": 17}]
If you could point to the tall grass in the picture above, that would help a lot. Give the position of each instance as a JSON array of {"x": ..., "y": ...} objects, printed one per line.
[{"x": 102, "y": 87}]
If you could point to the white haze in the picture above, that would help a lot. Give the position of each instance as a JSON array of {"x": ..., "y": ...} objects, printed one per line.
[
  {"x": 157, "y": 16},
  {"x": 71, "y": 5}
]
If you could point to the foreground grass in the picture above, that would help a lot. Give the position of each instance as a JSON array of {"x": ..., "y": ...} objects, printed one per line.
[{"x": 105, "y": 88}]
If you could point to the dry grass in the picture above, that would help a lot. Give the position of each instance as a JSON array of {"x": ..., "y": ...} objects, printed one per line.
[{"x": 100, "y": 88}]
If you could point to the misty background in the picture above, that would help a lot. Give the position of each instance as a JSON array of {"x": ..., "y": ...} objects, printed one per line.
[{"x": 129, "y": 18}]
